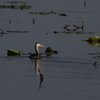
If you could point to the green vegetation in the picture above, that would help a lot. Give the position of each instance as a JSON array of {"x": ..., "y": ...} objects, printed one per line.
[
  {"x": 93, "y": 40},
  {"x": 12, "y": 52},
  {"x": 23, "y": 6},
  {"x": 49, "y": 51}
]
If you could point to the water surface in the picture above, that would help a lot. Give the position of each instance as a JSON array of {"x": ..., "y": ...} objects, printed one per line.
[{"x": 68, "y": 75}]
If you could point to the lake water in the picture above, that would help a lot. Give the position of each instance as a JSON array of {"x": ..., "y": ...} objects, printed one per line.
[{"x": 70, "y": 74}]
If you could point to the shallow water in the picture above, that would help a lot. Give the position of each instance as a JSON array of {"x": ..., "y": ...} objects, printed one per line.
[{"x": 68, "y": 75}]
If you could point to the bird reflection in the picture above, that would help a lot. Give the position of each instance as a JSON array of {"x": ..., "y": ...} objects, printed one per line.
[
  {"x": 38, "y": 71},
  {"x": 41, "y": 78}
]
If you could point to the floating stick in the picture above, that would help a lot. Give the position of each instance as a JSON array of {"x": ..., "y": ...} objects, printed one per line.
[{"x": 77, "y": 27}]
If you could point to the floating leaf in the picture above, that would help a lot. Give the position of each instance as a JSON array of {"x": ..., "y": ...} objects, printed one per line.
[
  {"x": 13, "y": 52},
  {"x": 93, "y": 40}
]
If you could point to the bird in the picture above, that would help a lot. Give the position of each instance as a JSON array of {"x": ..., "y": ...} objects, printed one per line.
[{"x": 37, "y": 55}]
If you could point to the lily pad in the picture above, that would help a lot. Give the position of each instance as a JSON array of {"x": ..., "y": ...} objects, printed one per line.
[
  {"x": 12, "y": 52},
  {"x": 93, "y": 40}
]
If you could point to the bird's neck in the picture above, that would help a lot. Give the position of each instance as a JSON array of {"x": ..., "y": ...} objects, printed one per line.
[{"x": 37, "y": 51}]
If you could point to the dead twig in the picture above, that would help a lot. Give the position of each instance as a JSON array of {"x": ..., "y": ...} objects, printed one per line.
[{"x": 76, "y": 27}]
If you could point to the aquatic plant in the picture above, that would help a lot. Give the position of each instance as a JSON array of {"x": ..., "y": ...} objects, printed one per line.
[
  {"x": 43, "y": 13},
  {"x": 70, "y": 32},
  {"x": 12, "y": 52},
  {"x": 23, "y": 6},
  {"x": 49, "y": 51},
  {"x": 17, "y": 31},
  {"x": 93, "y": 40}
]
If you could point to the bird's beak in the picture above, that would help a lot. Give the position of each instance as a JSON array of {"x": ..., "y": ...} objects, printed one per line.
[{"x": 42, "y": 45}]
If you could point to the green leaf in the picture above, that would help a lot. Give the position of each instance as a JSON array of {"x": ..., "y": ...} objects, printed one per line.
[{"x": 13, "y": 52}]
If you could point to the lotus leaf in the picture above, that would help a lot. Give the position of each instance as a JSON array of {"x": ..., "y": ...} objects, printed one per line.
[{"x": 12, "y": 52}]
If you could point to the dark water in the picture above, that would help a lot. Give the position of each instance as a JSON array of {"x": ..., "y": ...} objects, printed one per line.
[{"x": 68, "y": 75}]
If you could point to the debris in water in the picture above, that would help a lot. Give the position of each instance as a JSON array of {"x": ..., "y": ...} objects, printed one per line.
[
  {"x": 43, "y": 13},
  {"x": 62, "y": 14},
  {"x": 50, "y": 51},
  {"x": 17, "y": 31},
  {"x": 23, "y": 6}
]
